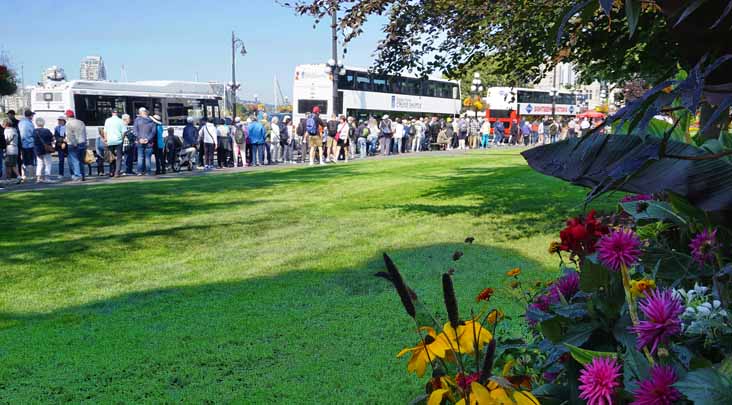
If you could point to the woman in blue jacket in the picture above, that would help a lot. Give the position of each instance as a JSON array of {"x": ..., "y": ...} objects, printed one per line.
[{"x": 159, "y": 147}]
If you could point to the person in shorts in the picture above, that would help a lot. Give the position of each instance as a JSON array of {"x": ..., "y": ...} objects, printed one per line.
[{"x": 314, "y": 133}]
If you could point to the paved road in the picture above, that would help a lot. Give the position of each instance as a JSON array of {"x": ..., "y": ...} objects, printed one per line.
[{"x": 11, "y": 187}]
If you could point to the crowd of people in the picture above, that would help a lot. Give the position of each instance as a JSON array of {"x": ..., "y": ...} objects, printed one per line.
[{"x": 127, "y": 145}]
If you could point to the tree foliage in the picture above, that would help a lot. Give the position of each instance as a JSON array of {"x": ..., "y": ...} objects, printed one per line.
[
  {"x": 510, "y": 40},
  {"x": 7, "y": 81}
]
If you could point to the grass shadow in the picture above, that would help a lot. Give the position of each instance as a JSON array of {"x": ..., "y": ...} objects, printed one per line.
[{"x": 300, "y": 336}]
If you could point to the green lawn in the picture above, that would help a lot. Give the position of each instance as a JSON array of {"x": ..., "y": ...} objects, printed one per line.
[{"x": 256, "y": 287}]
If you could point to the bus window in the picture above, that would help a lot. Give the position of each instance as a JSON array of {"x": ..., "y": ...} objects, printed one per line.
[
  {"x": 363, "y": 82},
  {"x": 306, "y": 106},
  {"x": 347, "y": 81},
  {"x": 380, "y": 84}
]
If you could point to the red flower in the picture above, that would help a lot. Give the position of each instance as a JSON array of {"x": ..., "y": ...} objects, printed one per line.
[
  {"x": 463, "y": 381},
  {"x": 581, "y": 235},
  {"x": 484, "y": 295}
]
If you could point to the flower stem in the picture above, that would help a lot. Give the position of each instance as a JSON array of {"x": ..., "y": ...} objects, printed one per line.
[{"x": 632, "y": 309}]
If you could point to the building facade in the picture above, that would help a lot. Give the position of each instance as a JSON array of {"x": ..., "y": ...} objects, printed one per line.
[{"x": 92, "y": 68}]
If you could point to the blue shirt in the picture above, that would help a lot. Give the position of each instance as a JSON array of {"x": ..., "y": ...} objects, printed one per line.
[
  {"x": 145, "y": 128},
  {"x": 257, "y": 133},
  {"x": 25, "y": 127}
]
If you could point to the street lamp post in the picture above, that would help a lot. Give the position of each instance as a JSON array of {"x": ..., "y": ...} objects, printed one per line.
[
  {"x": 554, "y": 103},
  {"x": 476, "y": 87},
  {"x": 236, "y": 43},
  {"x": 335, "y": 68}
]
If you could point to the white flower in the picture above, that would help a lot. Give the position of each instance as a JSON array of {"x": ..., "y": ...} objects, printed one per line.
[
  {"x": 716, "y": 304},
  {"x": 701, "y": 309}
]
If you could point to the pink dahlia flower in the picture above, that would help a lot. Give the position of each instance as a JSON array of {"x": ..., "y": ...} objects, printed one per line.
[
  {"x": 599, "y": 379},
  {"x": 662, "y": 310},
  {"x": 658, "y": 390},
  {"x": 619, "y": 248},
  {"x": 704, "y": 246}
]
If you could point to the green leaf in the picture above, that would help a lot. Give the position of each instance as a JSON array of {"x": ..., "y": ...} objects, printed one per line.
[
  {"x": 552, "y": 329},
  {"x": 726, "y": 366},
  {"x": 682, "y": 206},
  {"x": 593, "y": 276},
  {"x": 653, "y": 210},
  {"x": 584, "y": 356},
  {"x": 632, "y": 11},
  {"x": 706, "y": 387}
]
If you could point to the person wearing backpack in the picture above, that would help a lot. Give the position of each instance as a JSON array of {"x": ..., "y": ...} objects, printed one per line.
[
  {"x": 287, "y": 135},
  {"x": 362, "y": 132},
  {"x": 314, "y": 131},
  {"x": 385, "y": 130}
]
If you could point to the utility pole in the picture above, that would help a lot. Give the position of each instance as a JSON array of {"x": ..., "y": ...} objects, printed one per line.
[{"x": 334, "y": 45}]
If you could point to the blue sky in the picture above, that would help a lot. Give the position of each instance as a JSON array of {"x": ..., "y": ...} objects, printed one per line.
[{"x": 172, "y": 40}]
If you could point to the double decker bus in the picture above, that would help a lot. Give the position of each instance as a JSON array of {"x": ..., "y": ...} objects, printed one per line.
[
  {"x": 362, "y": 94},
  {"x": 506, "y": 104},
  {"x": 94, "y": 101}
]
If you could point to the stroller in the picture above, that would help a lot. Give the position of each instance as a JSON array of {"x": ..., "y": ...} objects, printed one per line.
[{"x": 184, "y": 157}]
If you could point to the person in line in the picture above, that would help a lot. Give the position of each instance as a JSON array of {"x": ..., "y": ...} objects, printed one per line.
[
  {"x": 128, "y": 145},
  {"x": 361, "y": 132},
  {"x": 42, "y": 148},
  {"x": 12, "y": 140},
  {"x": 553, "y": 131},
  {"x": 3, "y": 147},
  {"x": 159, "y": 145},
  {"x": 76, "y": 140},
  {"x": 238, "y": 144},
  {"x": 407, "y": 136},
  {"x": 526, "y": 132},
  {"x": 27, "y": 140},
  {"x": 485, "y": 133},
  {"x": 59, "y": 142},
  {"x": 114, "y": 130},
  {"x": 275, "y": 140},
  {"x": 314, "y": 129},
  {"x": 287, "y": 135},
  {"x": 258, "y": 136},
  {"x": 145, "y": 134},
  {"x": 190, "y": 141},
  {"x": 342, "y": 138},
  {"x": 208, "y": 135},
  {"x": 463, "y": 130},
  {"x": 397, "y": 137},
  {"x": 222, "y": 143},
  {"x": 585, "y": 126},
  {"x": 474, "y": 133},
  {"x": 571, "y": 128},
  {"x": 386, "y": 130},
  {"x": 499, "y": 131},
  {"x": 267, "y": 144}
]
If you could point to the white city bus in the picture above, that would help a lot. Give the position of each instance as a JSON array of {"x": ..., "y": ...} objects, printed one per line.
[
  {"x": 363, "y": 94},
  {"x": 93, "y": 101}
]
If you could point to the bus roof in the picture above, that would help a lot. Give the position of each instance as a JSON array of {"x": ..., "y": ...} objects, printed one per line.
[
  {"x": 508, "y": 89},
  {"x": 321, "y": 68},
  {"x": 202, "y": 89}
]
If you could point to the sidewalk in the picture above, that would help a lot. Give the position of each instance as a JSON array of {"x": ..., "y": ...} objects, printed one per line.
[{"x": 91, "y": 180}]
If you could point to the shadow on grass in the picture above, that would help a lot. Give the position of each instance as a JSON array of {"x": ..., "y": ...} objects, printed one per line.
[
  {"x": 54, "y": 212},
  {"x": 297, "y": 337},
  {"x": 528, "y": 203}
]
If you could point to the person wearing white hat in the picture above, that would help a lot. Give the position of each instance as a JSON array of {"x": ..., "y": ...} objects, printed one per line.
[
  {"x": 159, "y": 145},
  {"x": 239, "y": 145}
]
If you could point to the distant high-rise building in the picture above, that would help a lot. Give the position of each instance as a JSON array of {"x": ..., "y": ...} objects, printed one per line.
[{"x": 92, "y": 68}]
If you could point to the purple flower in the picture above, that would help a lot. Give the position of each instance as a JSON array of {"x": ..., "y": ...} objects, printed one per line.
[
  {"x": 541, "y": 303},
  {"x": 662, "y": 310},
  {"x": 568, "y": 285},
  {"x": 636, "y": 197},
  {"x": 619, "y": 248},
  {"x": 657, "y": 390},
  {"x": 704, "y": 247},
  {"x": 599, "y": 380}
]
